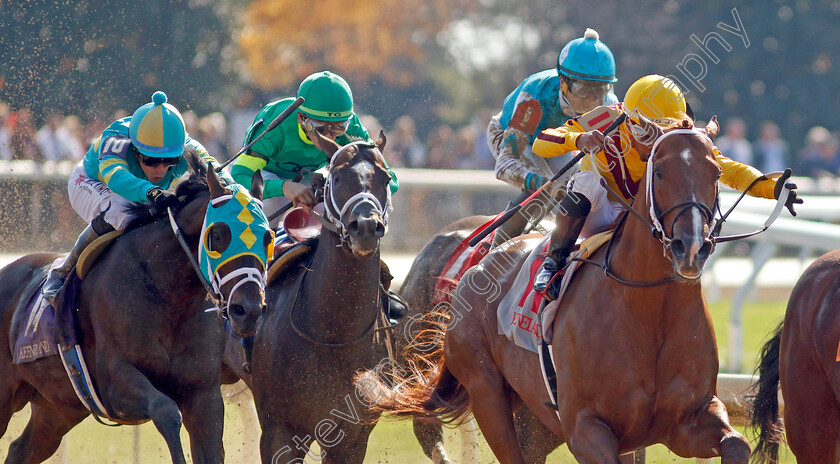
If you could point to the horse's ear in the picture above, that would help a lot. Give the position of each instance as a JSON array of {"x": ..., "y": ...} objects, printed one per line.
[
  {"x": 257, "y": 185},
  {"x": 380, "y": 142},
  {"x": 325, "y": 144},
  {"x": 214, "y": 182},
  {"x": 712, "y": 128},
  {"x": 646, "y": 131}
]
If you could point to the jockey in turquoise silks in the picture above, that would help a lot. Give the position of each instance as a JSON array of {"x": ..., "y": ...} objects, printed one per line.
[
  {"x": 134, "y": 161},
  {"x": 582, "y": 80}
]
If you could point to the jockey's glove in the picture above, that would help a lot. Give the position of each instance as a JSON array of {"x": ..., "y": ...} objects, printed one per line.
[
  {"x": 792, "y": 197},
  {"x": 161, "y": 199}
]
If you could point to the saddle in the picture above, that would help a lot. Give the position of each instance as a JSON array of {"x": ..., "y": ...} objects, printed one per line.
[{"x": 92, "y": 252}]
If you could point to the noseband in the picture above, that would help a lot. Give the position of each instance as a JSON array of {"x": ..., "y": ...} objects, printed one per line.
[{"x": 335, "y": 213}]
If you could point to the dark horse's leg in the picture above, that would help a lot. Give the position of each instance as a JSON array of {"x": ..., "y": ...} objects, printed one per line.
[
  {"x": 204, "y": 413},
  {"x": 709, "y": 435},
  {"x": 131, "y": 393},
  {"x": 351, "y": 449},
  {"x": 280, "y": 445},
  {"x": 430, "y": 436},
  {"x": 535, "y": 439},
  {"x": 42, "y": 435}
]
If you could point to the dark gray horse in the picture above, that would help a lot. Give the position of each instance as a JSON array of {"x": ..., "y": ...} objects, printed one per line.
[
  {"x": 318, "y": 330},
  {"x": 152, "y": 350}
]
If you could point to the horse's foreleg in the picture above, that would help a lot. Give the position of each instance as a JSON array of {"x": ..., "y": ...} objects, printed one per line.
[
  {"x": 134, "y": 396},
  {"x": 204, "y": 414},
  {"x": 430, "y": 437},
  {"x": 709, "y": 435},
  {"x": 280, "y": 445},
  {"x": 42, "y": 435},
  {"x": 591, "y": 441}
]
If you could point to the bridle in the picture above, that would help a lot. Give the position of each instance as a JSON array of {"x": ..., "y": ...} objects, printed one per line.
[
  {"x": 656, "y": 216},
  {"x": 335, "y": 214}
]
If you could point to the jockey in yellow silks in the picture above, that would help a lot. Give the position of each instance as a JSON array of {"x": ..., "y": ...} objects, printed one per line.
[{"x": 592, "y": 207}]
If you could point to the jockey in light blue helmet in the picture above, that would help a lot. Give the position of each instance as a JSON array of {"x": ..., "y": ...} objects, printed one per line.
[{"x": 587, "y": 70}]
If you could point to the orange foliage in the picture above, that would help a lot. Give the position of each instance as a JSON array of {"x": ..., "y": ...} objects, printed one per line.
[{"x": 283, "y": 41}]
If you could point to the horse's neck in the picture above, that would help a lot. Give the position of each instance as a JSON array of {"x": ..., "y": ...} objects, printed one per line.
[
  {"x": 168, "y": 267},
  {"x": 343, "y": 290}
]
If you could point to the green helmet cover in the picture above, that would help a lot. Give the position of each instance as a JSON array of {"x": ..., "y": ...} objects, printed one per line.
[{"x": 327, "y": 97}]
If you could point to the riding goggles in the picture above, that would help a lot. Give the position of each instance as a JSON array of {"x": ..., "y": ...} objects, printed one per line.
[
  {"x": 335, "y": 128},
  {"x": 588, "y": 89},
  {"x": 152, "y": 161}
]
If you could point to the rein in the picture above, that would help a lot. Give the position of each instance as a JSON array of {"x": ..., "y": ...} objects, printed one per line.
[
  {"x": 656, "y": 216},
  {"x": 214, "y": 287},
  {"x": 368, "y": 331}
]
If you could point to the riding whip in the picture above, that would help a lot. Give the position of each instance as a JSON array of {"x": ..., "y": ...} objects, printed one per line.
[
  {"x": 509, "y": 213},
  {"x": 280, "y": 118}
]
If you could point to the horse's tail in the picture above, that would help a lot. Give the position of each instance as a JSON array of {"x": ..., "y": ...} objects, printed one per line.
[
  {"x": 764, "y": 413},
  {"x": 424, "y": 387}
]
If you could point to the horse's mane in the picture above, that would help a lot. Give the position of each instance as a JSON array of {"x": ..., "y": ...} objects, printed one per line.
[{"x": 189, "y": 186}]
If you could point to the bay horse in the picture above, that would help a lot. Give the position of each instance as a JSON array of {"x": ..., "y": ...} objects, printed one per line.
[
  {"x": 635, "y": 350},
  {"x": 801, "y": 357},
  {"x": 535, "y": 440},
  {"x": 319, "y": 328},
  {"x": 152, "y": 350}
]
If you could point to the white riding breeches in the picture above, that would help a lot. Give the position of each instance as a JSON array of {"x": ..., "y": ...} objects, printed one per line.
[
  {"x": 90, "y": 197},
  {"x": 603, "y": 212}
]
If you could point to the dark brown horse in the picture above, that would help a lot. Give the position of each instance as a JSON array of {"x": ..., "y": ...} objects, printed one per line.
[
  {"x": 152, "y": 350},
  {"x": 802, "y": 357},
  {"x": 318, "y": 330},
  {"x": 636, "y": 365}
]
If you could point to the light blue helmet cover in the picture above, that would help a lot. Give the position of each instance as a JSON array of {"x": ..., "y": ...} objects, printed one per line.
[
  {"x": 243, "y": 214},
  {"x": 587, "y": 58}
]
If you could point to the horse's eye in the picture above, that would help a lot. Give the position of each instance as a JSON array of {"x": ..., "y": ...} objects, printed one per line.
[
  {"x": 658, "y": 172},
  {"x": 268, "y": 239},
  {"x": 218, "y": 239}
]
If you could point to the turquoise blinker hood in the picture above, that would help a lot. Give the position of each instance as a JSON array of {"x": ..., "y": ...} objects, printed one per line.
[{"x": 244, "y": 216}]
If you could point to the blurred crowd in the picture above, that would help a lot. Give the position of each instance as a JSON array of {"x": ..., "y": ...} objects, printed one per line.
[{"x": 57, "y": 137}]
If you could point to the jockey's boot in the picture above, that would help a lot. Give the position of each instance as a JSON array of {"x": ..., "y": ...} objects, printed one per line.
[
  {"x": 547, "y": 280},
  {"x": 57, "y": 276},
  {"x": 394, "y": 307}
]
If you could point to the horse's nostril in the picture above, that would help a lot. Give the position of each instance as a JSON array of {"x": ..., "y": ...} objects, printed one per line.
[
  {"x": 678, "y": 248},
  {"x": 353, "y": 226},
  {"x": 237, "y": 310},
  {"x": 380, "y": 229},
  {"x": 705, "y": 249}
]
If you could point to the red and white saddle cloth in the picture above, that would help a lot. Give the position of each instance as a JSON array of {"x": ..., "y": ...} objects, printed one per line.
[
  {"x": 519, "y": 314},
  {"x": 462, "y": 258}
]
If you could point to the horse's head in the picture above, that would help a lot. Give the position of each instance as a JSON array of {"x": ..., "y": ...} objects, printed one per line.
[
  {"x": 681, "y": 190},
  {"x": 357, "y": 196},
  {"x": 236, "y": 244}
]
